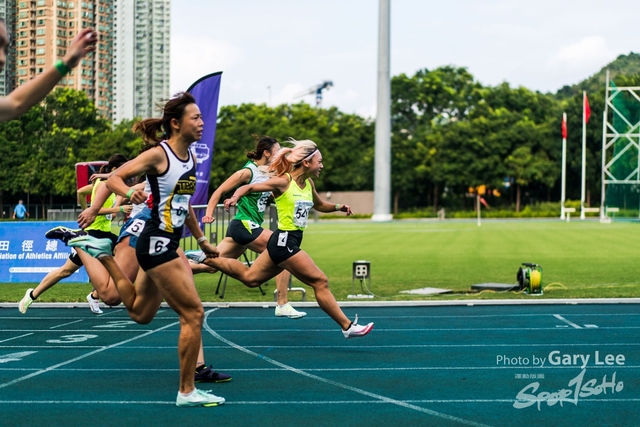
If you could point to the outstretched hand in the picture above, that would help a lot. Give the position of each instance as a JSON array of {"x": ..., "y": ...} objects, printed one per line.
[
  {"x": 86, "y": 218},
  {"x": 208, "y": 219},
  {"x": 347, "y": 209},
  {"x": 231, "y": 201},
  {"x": 83, "y": 43},
  {"x": 211, "y": 251}
]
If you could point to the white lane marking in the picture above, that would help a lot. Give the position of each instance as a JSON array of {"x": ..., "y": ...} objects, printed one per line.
[
  {"x": 335, "y": 383},
  {"x": 65, "y": 324},
  {"x": 591, "y": 326},
  {"x": 91, "y": 353},
  {"x": 111, "y": 311},
  {"x": 15, "y": 338},
  {"x": 557, "y": 316},
  {"x": 15, "y": 357},
  {"x": 269, "y": 402}
]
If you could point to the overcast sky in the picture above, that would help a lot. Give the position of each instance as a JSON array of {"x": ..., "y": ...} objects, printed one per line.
[{"x": 271, "y": 50}]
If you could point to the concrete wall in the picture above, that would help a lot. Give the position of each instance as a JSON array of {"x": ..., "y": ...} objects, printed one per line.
[{"x": 361, "y": 202}]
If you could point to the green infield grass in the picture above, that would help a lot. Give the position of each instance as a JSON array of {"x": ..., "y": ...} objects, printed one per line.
[{"x": 580, "y": 259}]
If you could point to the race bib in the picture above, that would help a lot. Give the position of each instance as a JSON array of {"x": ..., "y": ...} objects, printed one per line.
[
  {"x": 262, "y": 201},
  {"x": 179, "y": 209},
  {"x": 282, "y": 239},
  {"x": 301, "y": 210},
  {"x": 136, "y": 227},
  {"x": 158, "y": 245}
]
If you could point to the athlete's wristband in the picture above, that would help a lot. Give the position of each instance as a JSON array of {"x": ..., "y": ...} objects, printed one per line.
[
  {"x": 201, "y": 239},
  {"x": 337, "y": 207},
  {"x": 130, "y": 192},
  {"x": 122, "y": 209},
  {"x": 62, "y": 67}
]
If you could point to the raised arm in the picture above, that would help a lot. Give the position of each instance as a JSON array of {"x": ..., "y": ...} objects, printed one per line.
[
  {"x": 238, "y": 178},
  {"x": 324, "y": 206},
  {"x": 34, "y": 91},
  {"x": 151, "y": 161},
  {"x": 277, "y": 185}
]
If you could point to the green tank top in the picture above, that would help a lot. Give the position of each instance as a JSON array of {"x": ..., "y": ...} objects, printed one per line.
[
  {"x": 294, "y": 205},
  {"x": 102, "y": 222},
  {"x": 252, "y": 206}
]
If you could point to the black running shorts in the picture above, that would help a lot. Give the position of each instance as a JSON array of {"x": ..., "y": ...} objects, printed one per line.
[
  {"x": 283, "y": 245},
  {"x": 243, "y": 232},
  {"x": 156, "y": 247}
]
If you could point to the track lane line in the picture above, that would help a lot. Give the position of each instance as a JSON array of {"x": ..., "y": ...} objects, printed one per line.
[{"x": 335, "y": 383}]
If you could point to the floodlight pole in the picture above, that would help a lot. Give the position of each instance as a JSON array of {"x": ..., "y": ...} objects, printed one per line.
[
  {"x": 564, "y": 169},
  {"x": 584, "y": 154},
  {"x": 382, "y": 173},
  {"x": 603, "y": 193}
]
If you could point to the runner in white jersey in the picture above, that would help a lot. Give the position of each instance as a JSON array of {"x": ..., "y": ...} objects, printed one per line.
[
  {"x": 245, "y": 230},
  {"x": 164, "y": 273}
]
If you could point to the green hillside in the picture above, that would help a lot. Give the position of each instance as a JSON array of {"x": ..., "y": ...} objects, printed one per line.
[{"x": 624, "y": 64}]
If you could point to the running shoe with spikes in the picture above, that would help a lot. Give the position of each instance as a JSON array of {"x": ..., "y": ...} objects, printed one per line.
[
  {"x": 288, "y": 311},
  {"x": 208, "y": 375},
  {"x": 25, "y": 302},
  {"x": 95, "y": 247},
  {"x": 199, "y": 398},
  {"x": 94, "y": 304},
  {"x": 64, "y": 233},
  {"x": 356, "y": 331},
  {"x": 196, "y": 256}
]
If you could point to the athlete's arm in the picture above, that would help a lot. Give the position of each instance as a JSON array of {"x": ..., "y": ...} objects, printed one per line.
[
  {"x": 192, "y": 224},
  {"x": 277, "y": 185},
  {"x": 82, "y": 195},
  {"x": 238, "y": 178},
  {"x": 34, "y": 90},
  {"x": 324, "y": 206},
  {"x": 151, "y": 161}
]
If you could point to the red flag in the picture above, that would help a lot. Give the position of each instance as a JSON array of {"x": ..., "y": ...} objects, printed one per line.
[
  {"x": 587, "y": 109},
  {"x": 564, "y": 126},
  {"x": 484, "y": 202}
]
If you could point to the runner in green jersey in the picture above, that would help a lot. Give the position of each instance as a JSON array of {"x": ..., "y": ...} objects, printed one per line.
[
  {"x": 295, "y": 195},
  {"x": 245, "y": 229}
]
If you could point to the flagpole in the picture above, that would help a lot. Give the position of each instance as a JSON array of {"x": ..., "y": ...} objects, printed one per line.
[
  {"x": 564, "y": 164},
  {"x": 584, "y": 154}
]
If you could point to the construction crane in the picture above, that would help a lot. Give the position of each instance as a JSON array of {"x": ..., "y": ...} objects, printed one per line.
[{"x": 317, "y": 89}]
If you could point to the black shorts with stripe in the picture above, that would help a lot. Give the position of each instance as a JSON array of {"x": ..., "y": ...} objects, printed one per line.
[
  {"x": 156, "y": 247},
  {"x": 283, "y": 245}
]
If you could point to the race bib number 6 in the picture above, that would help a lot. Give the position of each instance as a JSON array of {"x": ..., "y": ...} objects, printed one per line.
[{"x": 158, "y": 245}]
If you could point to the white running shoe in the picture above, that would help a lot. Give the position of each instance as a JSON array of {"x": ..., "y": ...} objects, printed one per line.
[
  {"x": 25, "y": 302},
  {"x": 94, "y": 304},
  {"x": 196, "y": 256},
  {"x": 199, "y": 398},
  {"x": 356, "y": 331},
  {"x": 288, "y": 311}
]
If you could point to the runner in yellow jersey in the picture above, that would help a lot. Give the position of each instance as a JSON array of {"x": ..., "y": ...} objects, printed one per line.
[
  {"x": 245, "y": 230},
  {"x": 295, "y": 195}
]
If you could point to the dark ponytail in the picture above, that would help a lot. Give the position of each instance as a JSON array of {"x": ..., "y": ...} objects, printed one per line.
[
  {"x": 115, "y": 161},
  {"x": 263, "y": 143},
  {"x": 155, "y": 130}
]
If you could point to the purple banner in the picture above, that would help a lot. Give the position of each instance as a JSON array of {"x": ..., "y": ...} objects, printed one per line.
[{"x": 205, "y": 91}]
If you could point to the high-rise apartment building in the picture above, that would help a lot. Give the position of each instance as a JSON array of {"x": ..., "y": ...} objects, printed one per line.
[
  {"x": 43, "y": 31},
  {"x": 8, "y": 74},
  {"x": 140, "y": 57}
]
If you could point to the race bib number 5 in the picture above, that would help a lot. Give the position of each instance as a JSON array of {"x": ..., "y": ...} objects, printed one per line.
[{"x": 136, "y": 227}]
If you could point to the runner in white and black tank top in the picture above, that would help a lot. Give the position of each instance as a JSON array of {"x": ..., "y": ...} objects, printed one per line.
[{"x": 172, "y": 190}]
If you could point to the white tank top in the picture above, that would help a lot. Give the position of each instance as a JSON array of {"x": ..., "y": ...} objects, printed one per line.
[{"x": 172, "y": 190}]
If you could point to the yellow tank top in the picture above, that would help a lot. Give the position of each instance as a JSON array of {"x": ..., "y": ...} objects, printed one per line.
[
  {"x": 293, "y": 206},
  {"x": 102, "y": 222}
]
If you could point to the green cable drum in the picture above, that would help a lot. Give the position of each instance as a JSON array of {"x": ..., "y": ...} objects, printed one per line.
[{"x": 529, "y": 278}]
